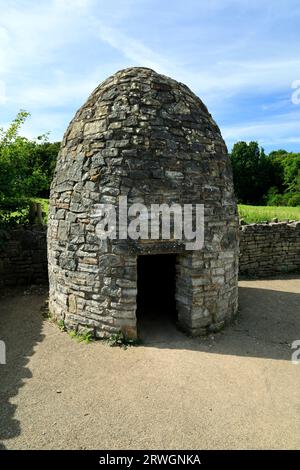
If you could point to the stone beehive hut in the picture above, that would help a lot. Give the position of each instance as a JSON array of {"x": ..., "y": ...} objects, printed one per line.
[{"x": 145, "y": 136}]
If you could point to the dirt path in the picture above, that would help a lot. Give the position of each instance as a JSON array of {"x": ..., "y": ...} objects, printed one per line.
[{"x": 238, "y": 390}]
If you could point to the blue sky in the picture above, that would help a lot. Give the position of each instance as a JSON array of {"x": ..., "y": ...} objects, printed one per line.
[{"x": 241, "y": 57}]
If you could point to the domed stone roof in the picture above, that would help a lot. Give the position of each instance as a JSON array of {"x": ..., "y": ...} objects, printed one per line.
[{"x": 147, "y": 137}]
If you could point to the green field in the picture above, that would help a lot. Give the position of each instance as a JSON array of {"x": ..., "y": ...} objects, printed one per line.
[
  {"x": 249, "y": 214},
  {"x": 252, "y": 214}
]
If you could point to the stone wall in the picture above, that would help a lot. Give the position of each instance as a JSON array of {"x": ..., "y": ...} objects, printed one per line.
[
  {"x": 267, "y": 249},
  {"x": 23, "y": 256}
]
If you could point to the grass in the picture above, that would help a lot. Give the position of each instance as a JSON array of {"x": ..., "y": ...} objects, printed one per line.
[
  {"x": 85, "y": 337},
  {"x": 61, "y": 325},
  {"x": 251, "y": 214},
  {"x": 119, "y": 339}
]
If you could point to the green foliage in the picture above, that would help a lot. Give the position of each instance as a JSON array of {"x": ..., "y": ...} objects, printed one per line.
[
  {"x": 250, "y": 172},
  {"x": 44, "y": 204},
  {"x": 289, "y": 166},
  {"x": 12, "y": 166},
  {"x": 61, "y": 325},
  {"x": 13, "y": 210},
  {"x": 9, "y": 136},
  {"x": 85, "y": 337},
  {"x": 272, "y": 179},
  {"x": 274, "y": 198},
  {"x": 26, "y": 169},
  {"x": 42, "y": 160},
  {"x": 27, "y": 166},
  {"x": 119, "y": 339},
  {"x": 293, "y": 199}
]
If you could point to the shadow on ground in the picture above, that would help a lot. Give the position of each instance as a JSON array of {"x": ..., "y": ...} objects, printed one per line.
[
  {"x": 267, "y": 323},
  {"x": 20, "y": 327}
]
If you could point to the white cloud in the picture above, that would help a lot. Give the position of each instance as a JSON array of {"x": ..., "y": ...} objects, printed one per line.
[
  {"x": 212, "y": 79},
  {"x": 281, "y": 129},
  {"x": 132, "y": 49},
  {"x": 32, "y": 36},
  {"x": 31, "y": 41},
  {"x": 221, "y": 49},
  {"x": 71, "y": 4},
  {"x": 2, "y": 92},
  {"x": 52, "y": 122},
  {"x": 61, "y": 92},
  {"x": 35, "y": 36}
]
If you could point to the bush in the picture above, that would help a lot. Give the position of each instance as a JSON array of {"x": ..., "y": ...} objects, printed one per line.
[
  {"x": 272, "y": 179},
  {"x": 14, "y": 211},
  {"x": 26, "y": 169},
  {"x": 291, "y": 199}
]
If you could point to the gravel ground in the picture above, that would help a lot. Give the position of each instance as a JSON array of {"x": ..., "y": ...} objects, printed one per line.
[{"x": 238, "y": 389}]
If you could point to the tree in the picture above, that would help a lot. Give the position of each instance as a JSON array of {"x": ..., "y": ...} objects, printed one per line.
[
  {"x": 40, "y": 167},
  {"x": 251, "y": 172},
  {"x": 286, "y": 167},
  {"x": 13, "y": 152},
  {"x": 26, "y": 168}
]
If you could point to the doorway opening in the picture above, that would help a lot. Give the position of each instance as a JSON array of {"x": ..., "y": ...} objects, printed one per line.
[{"x": 156, "y": 306}]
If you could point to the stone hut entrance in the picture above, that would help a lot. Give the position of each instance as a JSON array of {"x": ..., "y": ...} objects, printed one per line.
[
  {"x": 146, "y": 138},
  {"x": 156, "y": 285}
]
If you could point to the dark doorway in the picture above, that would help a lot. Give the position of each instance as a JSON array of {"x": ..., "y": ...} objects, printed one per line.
[{"x": 156, "y": 307}]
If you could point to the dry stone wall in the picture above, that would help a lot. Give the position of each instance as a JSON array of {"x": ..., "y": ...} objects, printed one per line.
[
  {"x": 23, "y": 256},
  {"x": 267, "y": 249}
]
